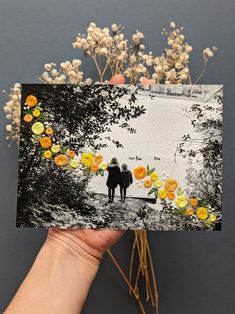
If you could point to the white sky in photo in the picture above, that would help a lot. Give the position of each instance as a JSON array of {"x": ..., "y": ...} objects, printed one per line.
[{"x": 158, "y": 132}]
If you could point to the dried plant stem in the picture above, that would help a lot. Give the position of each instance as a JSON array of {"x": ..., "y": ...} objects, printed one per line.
[
  {"x": 153, "y": 277},
  {"x": 203, "y": 71},
  {"x": 127, "y": 281},
  {"x": 142, "y": 250}
]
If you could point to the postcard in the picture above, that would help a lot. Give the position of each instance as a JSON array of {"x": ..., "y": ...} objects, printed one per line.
[{"x": 121, "y": 157}]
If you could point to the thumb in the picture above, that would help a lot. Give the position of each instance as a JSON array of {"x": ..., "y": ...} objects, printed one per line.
[{"x": 117, "y": 79}]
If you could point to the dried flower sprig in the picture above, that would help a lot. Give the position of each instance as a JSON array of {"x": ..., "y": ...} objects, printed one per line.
[{"x": 12, "y": 111}]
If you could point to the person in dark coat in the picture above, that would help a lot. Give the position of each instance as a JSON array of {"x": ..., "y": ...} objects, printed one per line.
[
  {"x": 125, "y": 181},
  {"x": 113, "y": 178}
]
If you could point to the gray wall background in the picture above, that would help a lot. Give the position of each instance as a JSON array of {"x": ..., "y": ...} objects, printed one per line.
[{"x": 195, "y": 270}]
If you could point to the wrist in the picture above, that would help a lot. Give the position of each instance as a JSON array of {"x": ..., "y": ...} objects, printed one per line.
[{"x": 65, "y": 244}]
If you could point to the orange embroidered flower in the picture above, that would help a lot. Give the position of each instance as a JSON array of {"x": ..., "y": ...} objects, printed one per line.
[
  {"x": 28, "y": 118},
  {"x": 98, "y": 159},
  {"x": 71, "y": 153},
  {"x": 171, "y": 185},
  {"x": 61, "y": 160},
  {"x": 189, "y": 211},
  {"x": 49, "y": 131},
  {"x": 193, "y": 202},
  {"x": 170, "y": 195},
  {"x": 94, "y": 167},
  {"x": 140, "y": 172},
  {"x": 45, "y": 142},
  {"x": 202, "y": 213},
  {"x": 147, "y": 183},
  {"x": 31, "y": 101}
]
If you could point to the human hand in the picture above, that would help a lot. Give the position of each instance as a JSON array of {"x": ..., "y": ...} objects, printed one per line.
[{"x": 90, "y": 243}]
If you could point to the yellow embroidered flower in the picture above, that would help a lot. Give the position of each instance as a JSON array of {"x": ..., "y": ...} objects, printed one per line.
[
  {"x": 189, "y": 211},
  {"x": 73, "y": 163},
  {"x": 212, "y": 218},
  {"x": 94, "y": 167},
  {"x": 154, "y": 176},
  {"x": 202, "y": 213},
  {"x": 38, "y": 128},
  {"x": 61, "y": 160},
  {"x": 28, "y": 118},
  {"x": 103, "y": 166},
  {"x": 47, "y": 154},
  {"x": 98, "y": 159},
  {"x": 170, "y": 195},
  {"x": 193, "y": 202},
  {"x": 162, "y": 194},
  {"x": 171, "y": 185},
  {"x": 55, "y": 149},
  {"x": 45, "y": 142},
  {"x": 31, "y": 101},
  {"x": 36, "y": 113},
  {"x": 71, "y": 153},
  {"x": 87, "y": 159},
  {"x": 147, "y": 183},
  {"x": 49, "y": 131},
  {"x": 181, "y": 201},
  {"x": 157, "y": 183},
  {"x": 140, "y": 172}
]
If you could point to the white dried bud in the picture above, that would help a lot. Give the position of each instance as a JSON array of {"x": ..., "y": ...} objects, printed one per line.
[
  {"x": 54, "y": 72},
  {"x": 114, "y": 28},
  {"x": 188, "y": 48},
  {"x": 76, "y": 63},
  {"x": 48, "y": 67},
  {"x": 9, "y": 127}
]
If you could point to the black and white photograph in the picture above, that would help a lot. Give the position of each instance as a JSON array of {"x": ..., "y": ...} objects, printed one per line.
[{"x": 120, "y": 157}]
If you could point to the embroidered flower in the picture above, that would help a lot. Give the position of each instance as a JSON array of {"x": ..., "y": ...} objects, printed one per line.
[
  {"x": 45, "y": 142},
  {"x": 94, "y": 167},
  {"x": 189, "y": 211},
  {"x": 193, "y": 202},
  {"x": 154, "y": 176},
  {"x": 98, "y": 159},
  {"x": 87, "y": 159},
  {"x": 55, "y": 149},
  {"x": 170, "y": 195},
  {"x": 212, "y": 218},
  {"x": 36, "y": 113},
  {"x": 157, "y": 183},
  {"x": 103, "y": 166},
  {"x": 49, "y": 131},
  {"x": 171, "y": 185},
  {"x": 140, "y": 172},
  {"x": 28, "y": 118},
  {"x": 181, "y": 201},
  {"x": 61, "y": 160},
  {"x": 38, "y": 128},
  {"x": 31, "y": 101},
  {"x": 162, "y": 194},
  {"x": 71, "y": 153},
  {"x": 47, "y": 154},
  {"x": 202, "y": 213},
  {"x": 73, "y": 163},
  {"x": 147, "y": 183}
]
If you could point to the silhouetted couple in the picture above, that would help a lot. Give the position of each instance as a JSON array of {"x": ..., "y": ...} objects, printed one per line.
[{"x": 117, "y": 176}]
